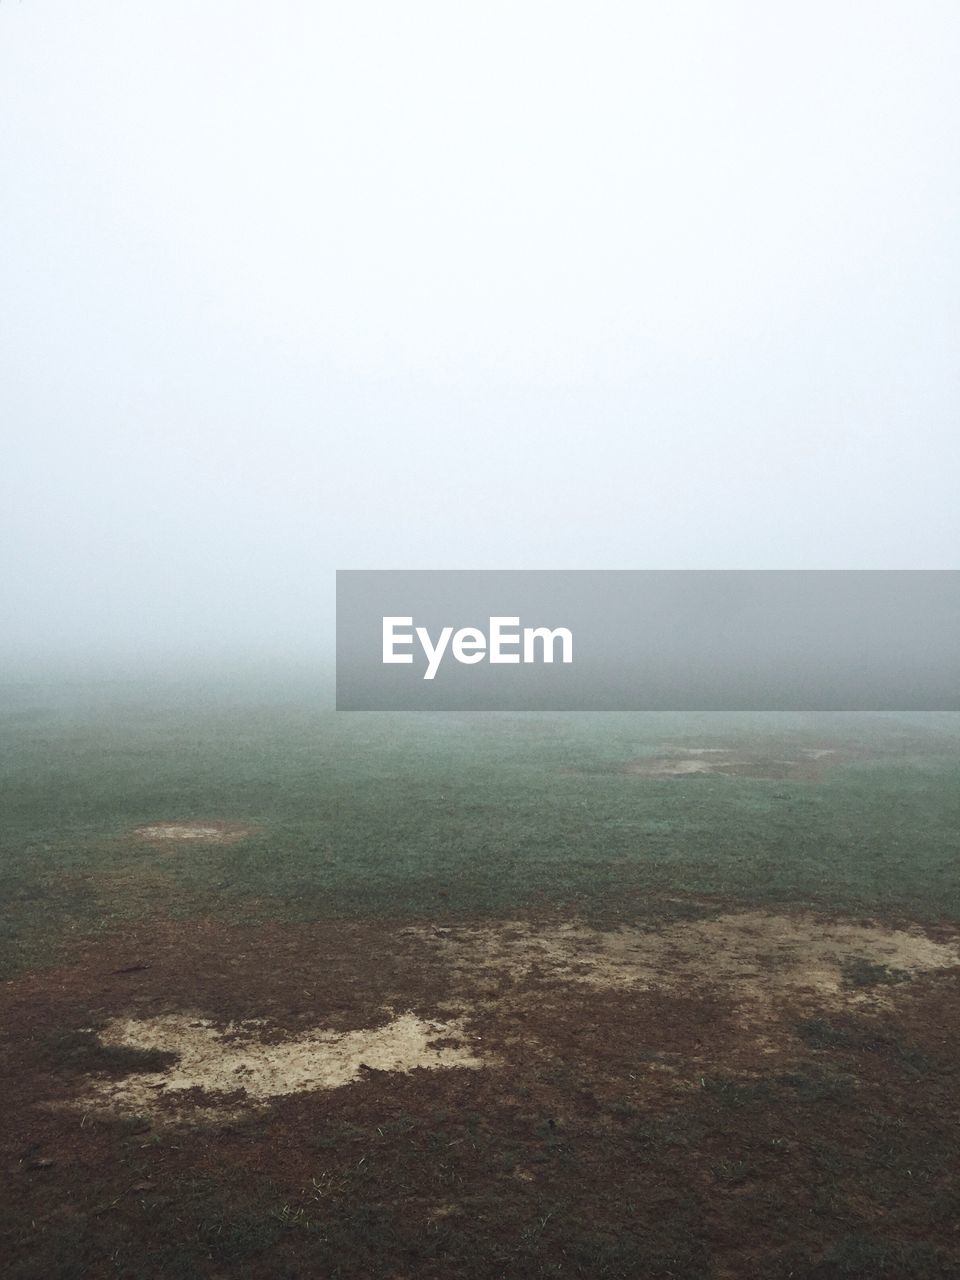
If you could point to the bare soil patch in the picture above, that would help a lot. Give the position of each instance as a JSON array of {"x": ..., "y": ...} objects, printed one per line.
[
  {"x": 778, "y": 762},
  {"x": 237, "y": 1062},
  {"x": 313, "y": 1011},
  {"x": 754, "y": 955},
  {"x": 759, "y": 973},
  {"x": 205, "y": 832}
]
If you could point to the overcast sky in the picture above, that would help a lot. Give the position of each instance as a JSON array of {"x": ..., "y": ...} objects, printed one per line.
[{"x": 290, "y": 287}]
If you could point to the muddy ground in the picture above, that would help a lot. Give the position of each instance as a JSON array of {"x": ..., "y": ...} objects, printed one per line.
[{"x": 722, "y": 1093}]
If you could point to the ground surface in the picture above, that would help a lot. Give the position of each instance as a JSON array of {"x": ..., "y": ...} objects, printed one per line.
[{"x": 292, "y": 994}]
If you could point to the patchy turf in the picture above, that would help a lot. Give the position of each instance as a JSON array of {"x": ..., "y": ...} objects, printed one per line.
[
  {"x": 758, "y": 956},
  {"x": 752, "y": 1119},
  {"x": 476, "y": 996}
]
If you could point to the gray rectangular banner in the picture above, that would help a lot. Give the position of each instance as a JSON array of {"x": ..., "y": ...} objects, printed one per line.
[{"x": 645, "y": 640}]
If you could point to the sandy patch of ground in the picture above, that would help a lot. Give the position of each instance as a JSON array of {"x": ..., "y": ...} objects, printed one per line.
[
  {"x": 672, "y": 768},
  {"x": 208, "y": 832},
  {"x": 802, "y": 764},
  {"x": 226, "y": 1061},
  {"x": 754, "y": 957}
]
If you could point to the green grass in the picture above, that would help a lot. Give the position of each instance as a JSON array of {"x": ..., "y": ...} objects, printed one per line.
[{"x": 368, "y": 813}]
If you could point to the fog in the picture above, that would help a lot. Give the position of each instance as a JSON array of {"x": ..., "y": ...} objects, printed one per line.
[{"x": 295, "y": 287}]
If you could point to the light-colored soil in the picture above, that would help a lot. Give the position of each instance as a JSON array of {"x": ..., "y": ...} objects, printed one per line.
[
  {"x": 670, "y": 768},
  {"x": 755, "y": 956},
  {"x": 803, "y": 764},
  {"x": 223, "y": 1061},
  {"x": 208, "y": 832}
]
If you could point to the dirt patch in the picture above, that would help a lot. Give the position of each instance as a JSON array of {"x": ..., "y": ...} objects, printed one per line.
[
  {"x": 778, "y": 762},
  {"x": 670, "y": 767},
  {"x": 237, "y": 1060},
  {"x": 755, "y": 959},
  {"x": 206, "y": 832},
  {"x": 517, "y": 984},
  {"x": 300, "y": 1009}
]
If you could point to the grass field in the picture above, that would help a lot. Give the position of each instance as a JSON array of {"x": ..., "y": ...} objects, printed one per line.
[{"x": 292, "y": 993}]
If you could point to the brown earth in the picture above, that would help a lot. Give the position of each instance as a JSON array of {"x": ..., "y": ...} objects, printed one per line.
[{"x": 748, "y": 1094}]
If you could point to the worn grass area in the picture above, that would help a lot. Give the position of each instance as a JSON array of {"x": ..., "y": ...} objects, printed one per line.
[
  {"x": 444, "y": 996},
  {"x": 597, "y": 1128}
]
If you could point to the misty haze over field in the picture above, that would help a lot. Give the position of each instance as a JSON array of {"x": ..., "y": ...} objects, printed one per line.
[{"x": 293, "y": 288}]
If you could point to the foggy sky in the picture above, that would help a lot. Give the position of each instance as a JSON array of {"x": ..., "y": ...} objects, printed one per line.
[{"x": 293, "y": 287}]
